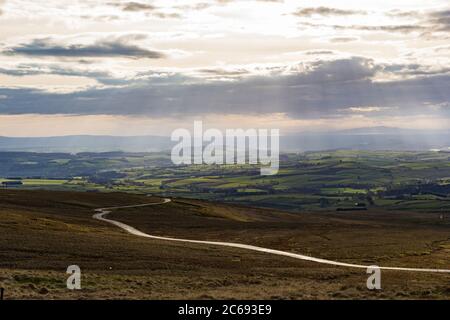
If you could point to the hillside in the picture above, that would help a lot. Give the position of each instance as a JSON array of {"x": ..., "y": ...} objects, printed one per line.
[{"x": 43, "y": 232}]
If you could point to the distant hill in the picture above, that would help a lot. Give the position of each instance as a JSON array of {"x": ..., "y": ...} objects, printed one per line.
[
  {"x": 390, "y": 131},
  {"x": 374, "y": 138},
  {"x": 86, "y": 143}
]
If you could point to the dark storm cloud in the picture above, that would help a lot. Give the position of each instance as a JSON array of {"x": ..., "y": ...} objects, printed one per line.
[
  {"x": 105, "y": 48},
  {"x": 22, "y": 70},
  {"x": 323, "y": 91},
  {"x": 325, "y": 11}
]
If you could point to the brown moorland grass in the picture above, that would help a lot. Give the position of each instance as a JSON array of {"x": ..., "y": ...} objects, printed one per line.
[{"x": 43, "y": 232}]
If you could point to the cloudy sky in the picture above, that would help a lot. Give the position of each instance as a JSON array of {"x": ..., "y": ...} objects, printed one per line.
[{"x": 147, "y": 67}]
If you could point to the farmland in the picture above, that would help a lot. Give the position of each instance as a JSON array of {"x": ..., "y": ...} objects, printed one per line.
[{"x": 312, "y": 181}]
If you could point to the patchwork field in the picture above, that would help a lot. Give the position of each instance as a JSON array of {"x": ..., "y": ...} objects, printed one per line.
[{"x": 309, "y": 181}]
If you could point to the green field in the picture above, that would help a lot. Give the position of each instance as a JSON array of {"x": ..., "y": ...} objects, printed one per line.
[{"x": 306, "y": 181}]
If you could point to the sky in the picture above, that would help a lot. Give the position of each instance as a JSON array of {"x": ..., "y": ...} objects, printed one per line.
[{"x": 148, "y": 67}]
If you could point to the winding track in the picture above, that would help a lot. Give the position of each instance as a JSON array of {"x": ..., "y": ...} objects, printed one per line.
[{"x": 101, "y": 212}]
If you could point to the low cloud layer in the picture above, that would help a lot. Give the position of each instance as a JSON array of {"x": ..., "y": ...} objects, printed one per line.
[
  {"x": 327, "y": 89},
  {"x": 104, "y": 48}
]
